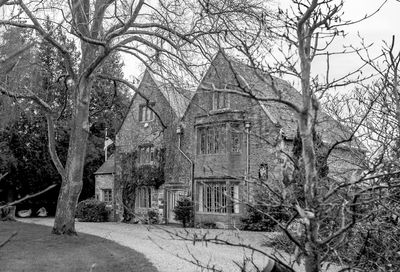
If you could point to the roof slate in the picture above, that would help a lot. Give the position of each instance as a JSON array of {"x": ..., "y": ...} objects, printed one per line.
[
  {"x": 330, "y": 129},
  {"x": 177, "y": 98},
  {"x": 107, "y": 167}
]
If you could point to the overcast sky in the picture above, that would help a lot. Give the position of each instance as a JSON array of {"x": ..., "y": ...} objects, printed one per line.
[{"x": 380, "y": 27}]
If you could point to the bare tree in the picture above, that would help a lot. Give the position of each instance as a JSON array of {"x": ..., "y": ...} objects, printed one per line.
[
  {"x": 156, "y": 33},
  {"x": 100, "y": 27},
  {"x": 331, "y": 206}
]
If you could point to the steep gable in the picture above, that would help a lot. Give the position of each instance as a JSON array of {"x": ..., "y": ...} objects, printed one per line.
[
  {"x": 176, "y": 99},
  {"x": 239, "y": 76}
]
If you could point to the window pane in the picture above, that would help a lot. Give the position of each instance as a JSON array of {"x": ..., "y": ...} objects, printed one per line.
[
  {"x": 151, "y": 154},
  {"x": 235, "y": 192},
  {"x": 217, "y": 140},
  {"x": 140, "y": 113},
  {"x": 149, "y": 197},
  {"x": 222, "y": 100},
  {"x": 217, "y": 98},
  {"x": 151, "y": 115},
  {"x": 210, "y": 140},
  {"x": 209, "y": 198},
  {"x": 144, "y": 113},
  {"x": 148, "y": 114},
  {"x": 236, "y": 138},
  {"x": 223, "y": 199},
  {"x": 202, "y": 140},
  {"x": 107, "y": 195},
  {"x": 214, "y": 197}
]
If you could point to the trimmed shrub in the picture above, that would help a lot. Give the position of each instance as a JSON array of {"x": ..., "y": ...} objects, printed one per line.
[
  {"x": 184, "y": 211},
  {"x": 91, "y": 210}
]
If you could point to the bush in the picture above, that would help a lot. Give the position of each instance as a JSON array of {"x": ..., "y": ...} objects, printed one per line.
[
  {"x": 184, "y": 211},
  {"x": 373, "y": 246},
  {"x": 91, "y": 210},
  {"x": 257, "y": 219},
  {"x": 152, "y": 217}
]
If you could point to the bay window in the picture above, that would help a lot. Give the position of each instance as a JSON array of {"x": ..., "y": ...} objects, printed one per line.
[{"x": 218, "y": 197}]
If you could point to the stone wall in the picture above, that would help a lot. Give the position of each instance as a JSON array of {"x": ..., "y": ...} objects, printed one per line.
[
  {"x": 103, "y": 181},
  {"x": 262, "y": 138},
  {"x": 161, "y": 133}
]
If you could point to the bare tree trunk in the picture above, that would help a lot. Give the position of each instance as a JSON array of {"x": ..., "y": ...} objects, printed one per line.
[
  {"x": 72, "y": 181},
  {"x": 306, "y": 124},
  {"x": 312, "y": 258}
]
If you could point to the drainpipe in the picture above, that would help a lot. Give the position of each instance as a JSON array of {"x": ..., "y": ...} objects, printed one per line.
[
  {"x": 192, "y": 189},
  {"x": 247, "y": 130}
]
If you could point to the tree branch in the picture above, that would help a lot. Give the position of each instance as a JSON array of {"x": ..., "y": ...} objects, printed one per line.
[
  {"x": 28, "y": 197},
  {"x": 52, "y": 146}
]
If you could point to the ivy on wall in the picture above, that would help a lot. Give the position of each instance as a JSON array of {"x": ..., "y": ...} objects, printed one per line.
[{"x": 134, "y": 175}]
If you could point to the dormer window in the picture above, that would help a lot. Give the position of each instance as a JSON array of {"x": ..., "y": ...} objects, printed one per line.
[
  {"x": 145, "y": 113},
  {"x": 220, "y": 100}
]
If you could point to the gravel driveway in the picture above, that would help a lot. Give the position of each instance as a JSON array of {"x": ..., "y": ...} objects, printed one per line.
[{"x": 167, "y": 252}]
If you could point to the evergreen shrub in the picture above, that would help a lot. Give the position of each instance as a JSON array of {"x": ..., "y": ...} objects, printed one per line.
[
  {"x": 91, "y": 210},
  {"x": 257, "y": 219},
  {"x": 184, "y": 211}
]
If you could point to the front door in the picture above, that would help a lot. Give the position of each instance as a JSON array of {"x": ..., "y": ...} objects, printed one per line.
[{"x": 173, "y": 197}]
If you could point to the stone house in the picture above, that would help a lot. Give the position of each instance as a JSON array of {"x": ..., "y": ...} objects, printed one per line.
[
  {"x": 218, "y": 143},
  {"x": 146, "y": 149},
  {"x": 234, "y": 141},
  {"x": 104, "y": 181},
  {"x": 104, "y": 184}
]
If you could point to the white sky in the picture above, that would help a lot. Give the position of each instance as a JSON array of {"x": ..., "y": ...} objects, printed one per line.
[
  {"x": 374, "y": 30},
  {"x": 382, "y": 26}
]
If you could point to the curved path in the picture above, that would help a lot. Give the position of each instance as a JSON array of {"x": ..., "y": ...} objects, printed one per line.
[{"x": 169, "y": 253}]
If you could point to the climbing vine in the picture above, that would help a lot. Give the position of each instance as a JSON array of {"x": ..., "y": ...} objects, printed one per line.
[{"x": 134, "y": 175}]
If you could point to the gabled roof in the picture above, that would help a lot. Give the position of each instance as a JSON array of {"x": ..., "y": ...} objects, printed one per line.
[
  {"x": 107, "y": 167},
  {"x": 178, "y": 98},
  {"x": 280, "y": 114}
]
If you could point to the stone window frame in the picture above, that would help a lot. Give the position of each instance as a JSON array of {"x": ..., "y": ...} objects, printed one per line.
[
  {"x": 213, "y": 197},
  {"x": 146, "y": 154},
  {"x": 107, "y": 195},
  {"x": 220, "y": 100},
  {"x": 146, "y": 112},
  {"x": 210, "y": 142}
]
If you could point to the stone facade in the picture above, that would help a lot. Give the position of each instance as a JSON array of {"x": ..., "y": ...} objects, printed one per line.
[
  {"x": 217, "y": 146},
  {"x": 265, "y": 129},
  {"x": 258, "y": 145},
  {"x": 103, "y": 182},
  {"x": 159, "y": 133}
]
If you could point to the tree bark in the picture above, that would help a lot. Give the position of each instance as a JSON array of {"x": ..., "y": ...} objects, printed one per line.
[
  {"x": 72, "y": 180},
  {"x": 306, "y": 124}
]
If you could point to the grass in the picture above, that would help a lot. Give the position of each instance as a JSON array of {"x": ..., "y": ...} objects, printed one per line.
[{"x": 35, "y": 249}]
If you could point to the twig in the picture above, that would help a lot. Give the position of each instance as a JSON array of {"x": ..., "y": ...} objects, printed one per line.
[{"x": 3, "y": 175}]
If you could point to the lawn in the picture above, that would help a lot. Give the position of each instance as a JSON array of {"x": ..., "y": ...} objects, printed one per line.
[{"x": 35, "y": 249}]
